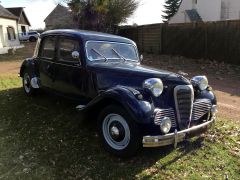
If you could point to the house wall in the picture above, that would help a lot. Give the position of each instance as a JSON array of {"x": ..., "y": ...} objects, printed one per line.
[
  {"x": 209, "y": 10},
  {"x": 1, "y": 37},
  {"x": 232, "y": 9},
  {"x": 60, "y": 17},
  {"x": 20, "y": 28},
  {"x": 4, "y": 23},
  {"x": 180, "y": 16}
]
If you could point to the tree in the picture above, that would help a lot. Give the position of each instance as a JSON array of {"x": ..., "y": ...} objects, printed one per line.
[
  {"x": 101, "y": 15},
  {"x": 171, "y": 8}
]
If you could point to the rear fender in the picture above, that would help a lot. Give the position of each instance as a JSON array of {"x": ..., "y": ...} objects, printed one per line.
[{"x": 30, "y": 66}]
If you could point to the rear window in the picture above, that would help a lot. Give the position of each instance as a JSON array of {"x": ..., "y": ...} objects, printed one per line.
[
  {"x": 32, "y": 33},
  {"x": 48, "y": 48}
]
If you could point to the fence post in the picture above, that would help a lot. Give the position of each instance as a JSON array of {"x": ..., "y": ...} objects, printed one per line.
[
  {"x": 206, "y": 41},
  {"x": 161, "y": 36},
  {"x": 142, "y": 34}
]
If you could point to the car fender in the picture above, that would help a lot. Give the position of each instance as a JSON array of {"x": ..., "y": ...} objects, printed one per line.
[
  {"x": 140, "y": 111},
  {"x": 30, "y": 66},
  {"x": 207, "y": 94}
]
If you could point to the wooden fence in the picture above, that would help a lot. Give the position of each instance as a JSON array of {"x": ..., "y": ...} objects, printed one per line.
[{"x": 218, "y": 41}]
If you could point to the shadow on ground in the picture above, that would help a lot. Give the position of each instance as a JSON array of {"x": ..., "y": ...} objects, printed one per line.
[{"x": 44, "y": 137}]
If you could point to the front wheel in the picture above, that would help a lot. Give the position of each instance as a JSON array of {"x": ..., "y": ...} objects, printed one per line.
[{"x": 119, "y": 133}]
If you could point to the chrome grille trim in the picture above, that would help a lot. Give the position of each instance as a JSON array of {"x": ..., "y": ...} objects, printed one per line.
[
  {"x": 200, "y": 108},
  {"x": 161, "y": 113},
  {"x": 184, "y": 96}
]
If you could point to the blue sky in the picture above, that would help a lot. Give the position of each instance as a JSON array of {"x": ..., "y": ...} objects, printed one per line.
[{"x": 148, "y": 12}]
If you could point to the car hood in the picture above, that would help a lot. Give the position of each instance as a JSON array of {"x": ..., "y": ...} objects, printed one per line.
[{"x": 130, "y": 74}]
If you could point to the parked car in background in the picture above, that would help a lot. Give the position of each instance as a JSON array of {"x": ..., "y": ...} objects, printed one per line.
[
  {"x": 134, "y": 105},
  {"x": 31, "y": 36}
]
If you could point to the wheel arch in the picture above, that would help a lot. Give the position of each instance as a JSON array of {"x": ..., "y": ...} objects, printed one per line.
[
  {"x": 123, "y": 97},
  {"x": 29, "y": 65}
]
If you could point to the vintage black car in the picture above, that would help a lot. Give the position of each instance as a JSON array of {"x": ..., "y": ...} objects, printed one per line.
[{"x": 134, "y": 105}]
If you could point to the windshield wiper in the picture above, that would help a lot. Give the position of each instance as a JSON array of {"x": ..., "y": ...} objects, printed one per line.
[
  {"x": 94, "y": 50},
  {"x": 124, "y": 59}
]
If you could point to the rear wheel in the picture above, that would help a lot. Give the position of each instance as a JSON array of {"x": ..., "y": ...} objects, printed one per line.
[
  {"x": 119, "y": 133},
  {"x": 32, "y": 39},
  {"x": 27, "y": 87}
]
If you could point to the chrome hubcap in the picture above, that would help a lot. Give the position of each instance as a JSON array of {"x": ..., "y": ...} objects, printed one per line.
[{"x": 116, "y": 131}]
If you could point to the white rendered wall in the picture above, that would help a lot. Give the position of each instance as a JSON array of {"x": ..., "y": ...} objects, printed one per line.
[
  {"x": 180, "y": 17},
  {"x": 5, "y": 23},
  {"x": 234, "y": 8},
  {"x": 209, "y": 10}
]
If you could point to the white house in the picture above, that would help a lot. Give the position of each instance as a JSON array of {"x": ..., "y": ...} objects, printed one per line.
[
  {"x": 8, "y": 31},
  {"x": 206, "y": 10},
  {"x": 23, "y": 22}
]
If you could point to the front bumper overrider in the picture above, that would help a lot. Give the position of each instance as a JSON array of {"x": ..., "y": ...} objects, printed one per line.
[{"x": 177, "y": 136}]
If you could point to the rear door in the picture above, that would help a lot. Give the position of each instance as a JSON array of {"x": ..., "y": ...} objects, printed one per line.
[
  {"x": 46, "y": 61},
  {"x": 71, "y": 78}
]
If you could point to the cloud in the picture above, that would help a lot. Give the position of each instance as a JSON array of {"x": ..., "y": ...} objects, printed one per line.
[
  {"x": 37, "y": 11},
  {"x": 148, "y": 12}
]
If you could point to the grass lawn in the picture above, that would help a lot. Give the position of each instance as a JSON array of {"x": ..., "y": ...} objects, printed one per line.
[{"x": 45, "y": 138}]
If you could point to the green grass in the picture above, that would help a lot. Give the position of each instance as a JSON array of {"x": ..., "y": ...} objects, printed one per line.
[{"x": 45, "y": 138}]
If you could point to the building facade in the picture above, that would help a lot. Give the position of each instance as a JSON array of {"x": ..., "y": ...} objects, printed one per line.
[
  {"x": 60, "y": 17},
  {"x": 206, "y": 10},
  {"x": 23, "y": 22},
  {"x": 8, "y": 31}
]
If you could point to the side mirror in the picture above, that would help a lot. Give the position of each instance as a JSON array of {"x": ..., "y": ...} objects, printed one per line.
[
  {"x": 141, "y": 58},
  {"x": 75, "y": 55}
]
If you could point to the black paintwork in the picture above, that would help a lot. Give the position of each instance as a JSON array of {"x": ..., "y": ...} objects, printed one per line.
[{"x": 94, "y": 82}]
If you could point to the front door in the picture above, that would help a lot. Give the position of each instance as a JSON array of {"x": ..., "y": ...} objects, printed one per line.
[
  {"x": 46, "y": 61},
  {"x": 71, "y": 78}
]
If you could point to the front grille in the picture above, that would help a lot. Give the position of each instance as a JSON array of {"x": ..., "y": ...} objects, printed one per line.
[
  {"x": 200, "y": 108},
  {"x": 184, "y": 104},
  {"x": 161, "y": 113}
]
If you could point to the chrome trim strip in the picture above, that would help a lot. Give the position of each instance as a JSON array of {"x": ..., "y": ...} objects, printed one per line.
[
  {"x": 174, "y": 138},
  {"x": 53, "y": 62},
  {"x": 200, "y": 108},
  {"x": 161, "y": 113},
  {"x": 176, "y": 89}
]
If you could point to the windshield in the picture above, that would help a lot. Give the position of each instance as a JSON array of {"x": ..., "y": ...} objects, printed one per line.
[{"x": 101, "y": 50}]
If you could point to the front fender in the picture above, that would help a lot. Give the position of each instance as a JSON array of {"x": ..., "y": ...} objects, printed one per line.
[
  {"x": 141, "y": 111},
  {"x": 207, "y": 94}
]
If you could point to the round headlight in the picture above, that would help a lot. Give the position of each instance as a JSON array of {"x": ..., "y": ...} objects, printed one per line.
[
  {"x": 155, "y": 85},
  {"x": 165, "y": 125},
  {"x": 200, "y": 81}
]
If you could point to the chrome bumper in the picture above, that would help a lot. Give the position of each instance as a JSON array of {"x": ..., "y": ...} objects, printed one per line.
[{"x": 176, "y": 137}]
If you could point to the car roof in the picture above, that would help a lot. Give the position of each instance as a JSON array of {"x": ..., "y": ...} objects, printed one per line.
[{"x": 88, "y": 35}]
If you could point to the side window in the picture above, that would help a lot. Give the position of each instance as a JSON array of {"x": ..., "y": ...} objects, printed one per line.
[
  {"x": 66, "y": 47},
  {"x": 48, "y": 48}
]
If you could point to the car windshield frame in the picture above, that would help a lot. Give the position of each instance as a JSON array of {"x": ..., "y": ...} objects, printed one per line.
[{"x": 111, "y": 42}]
